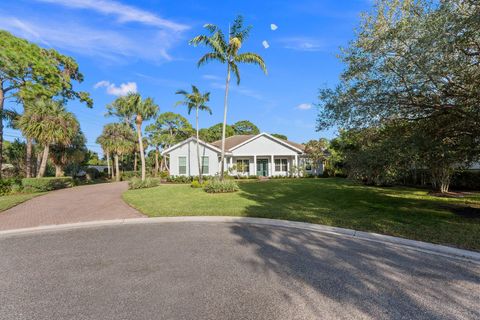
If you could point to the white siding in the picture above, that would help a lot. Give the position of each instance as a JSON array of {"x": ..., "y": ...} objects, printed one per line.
[
  {"x": 263, "y": 146},
  {"x": 189, "y": 150}
]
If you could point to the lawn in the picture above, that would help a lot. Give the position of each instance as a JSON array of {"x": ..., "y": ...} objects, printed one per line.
[
  {"x": 403, "y": 212},
  {"x": 6, "y": 202}
]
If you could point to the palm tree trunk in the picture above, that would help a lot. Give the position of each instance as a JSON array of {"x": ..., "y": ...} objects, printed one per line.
[
  {"x": 117, "y": 168},
  {"x": 157, "y": 165},
  {"x": 43, "y": 164},
  {"x": 225, "y": 107},
  {"x": 59, "y": 171},
  {"x": 135, "y": 161},
  {"x": 200, "y": 167},
  {"x": 28, "y": 160},
  {"x": 142, "y": 154},
  {"x": 108, "y": 164}
]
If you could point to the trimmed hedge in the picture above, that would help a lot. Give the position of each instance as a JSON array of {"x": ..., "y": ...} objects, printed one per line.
[
  {"x": 218, "y": 186},
  {"x": 46, "y": 184}
]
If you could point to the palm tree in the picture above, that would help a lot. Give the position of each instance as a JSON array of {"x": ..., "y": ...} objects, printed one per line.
[
  {"x": 196, "y": 100},
  {"x": 226, "y": 51},
  {"x": 72, "y": 153},
  {"x": 119, "y": 139},
  {"x": 48, "y": 122},
  {"x": 133, "y": 107}
]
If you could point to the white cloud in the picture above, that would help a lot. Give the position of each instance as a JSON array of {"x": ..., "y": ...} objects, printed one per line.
[
  {"x": 112, "y": 89},
  {"x": 113, "y": 45},
  {"x": 265, "y": 44},
  {"x": 124, "y": 13},
  {"x": 273, "y": 26},
  {"x": 303, "y": 44},
  {"x": 211, "y": 77},
  {"x": 304, "y": 106}
]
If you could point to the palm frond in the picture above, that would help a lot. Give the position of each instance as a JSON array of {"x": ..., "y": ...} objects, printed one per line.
[
  {"x": 211, "y": 56},
  {"x": 253, "y": 58}
]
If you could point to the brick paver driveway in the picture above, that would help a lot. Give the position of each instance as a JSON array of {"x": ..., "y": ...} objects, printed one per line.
[{"x": 79, "y": 204}]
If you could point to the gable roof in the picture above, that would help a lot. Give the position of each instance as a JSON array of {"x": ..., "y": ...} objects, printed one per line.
[
  {"x": 175, "y": 146},
  {"x": 234, "y": 142}
]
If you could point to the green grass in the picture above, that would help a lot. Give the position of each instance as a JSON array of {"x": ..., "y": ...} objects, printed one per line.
[
  {"x": 403, "y": 212},
  {"x": 6, "y": 202}
]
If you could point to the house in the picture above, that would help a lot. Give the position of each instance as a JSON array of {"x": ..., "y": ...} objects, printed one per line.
[{"x": 245, "y": 155}]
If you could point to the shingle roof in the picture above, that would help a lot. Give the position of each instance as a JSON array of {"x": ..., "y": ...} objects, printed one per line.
[{"x": 234, "y": 141}]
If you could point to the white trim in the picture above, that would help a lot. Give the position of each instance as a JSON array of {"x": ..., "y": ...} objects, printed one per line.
[
  {"x": 280, "y": 141},
  {"x": 188, "y": 140}
]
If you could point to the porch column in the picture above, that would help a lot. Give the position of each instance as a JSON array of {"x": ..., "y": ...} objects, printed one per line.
[
  {"x": 296, "y": 165},
  {"x": 272, "y": 166},
  {"x": 254, "y": 165}
]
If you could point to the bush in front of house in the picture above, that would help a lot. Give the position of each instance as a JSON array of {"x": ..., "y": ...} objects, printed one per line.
[
  {"x": 218, "y": 186},
  {"x": 46, "y": 184},
  {"x": 179, "y": 179},
  {"x": 137, "y": 183}
]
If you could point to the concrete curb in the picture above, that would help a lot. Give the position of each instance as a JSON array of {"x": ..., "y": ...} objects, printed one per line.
[{"x": 379, "y": 238}]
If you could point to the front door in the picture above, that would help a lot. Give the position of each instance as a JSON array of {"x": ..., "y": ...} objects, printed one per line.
[{"x": 262, "y": 167}]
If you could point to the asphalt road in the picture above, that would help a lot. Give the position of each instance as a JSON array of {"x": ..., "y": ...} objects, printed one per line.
[{"x": 197, "y": 270}]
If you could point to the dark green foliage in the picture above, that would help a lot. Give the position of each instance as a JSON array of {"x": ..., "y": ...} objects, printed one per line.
[
  {"x": 137, "y": 183},
  {"x": 8, "y": 186},
  {"x": 46, "y": 184},
  {"x": 92, "y": 173},
  {"x": 245, "y": 127},
  {"x": 219, "y": 186},
  {"x": 179, "y": 179}
]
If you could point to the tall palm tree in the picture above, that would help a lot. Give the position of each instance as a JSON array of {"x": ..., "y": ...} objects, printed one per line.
[
  {"x": 48, "y": 122},
  {"x": 226, "y": 51},
  {"x": 133, "y": 108},
  {"x": 196, "y": 100},
  {"x": 119, "y": 139}
]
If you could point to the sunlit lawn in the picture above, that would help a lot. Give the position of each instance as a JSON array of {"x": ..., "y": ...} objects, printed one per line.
[
  {"x": 9, "y": 201},
  {"x": 404, "y": 212}
]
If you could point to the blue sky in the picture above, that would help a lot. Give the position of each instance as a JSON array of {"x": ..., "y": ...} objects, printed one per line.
[{"x": 143, "y": 45}]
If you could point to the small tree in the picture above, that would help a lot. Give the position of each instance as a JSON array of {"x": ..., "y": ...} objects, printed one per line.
[
  {"x": 196, "y": 100},
  {"x": 119, "y": 139},
  {"x": 133, "y": 107}
]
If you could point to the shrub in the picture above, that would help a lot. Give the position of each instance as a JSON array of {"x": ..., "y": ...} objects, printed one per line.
[
  {"x": 137, "y": 183},
  {"x": 46, "y": 184},
  {"x": 196, "y": 184},
  {"x": 218, "y": 186},
  {"x": 92, "y": 173},
  {"x": 128, "y": 175},
  {"x": 8, "y": 186},
  {"x": 179, "y": 179}
]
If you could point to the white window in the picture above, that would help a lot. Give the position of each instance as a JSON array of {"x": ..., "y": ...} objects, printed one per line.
[
  {"x": 281, "y": 165},
  {"x": 182, "y": 165},
  {"x": 205, "y": 163},
  {"x": 243, "y": 166}
]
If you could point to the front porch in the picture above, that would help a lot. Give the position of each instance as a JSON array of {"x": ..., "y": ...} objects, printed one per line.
[{"x": 262, "y": 165}]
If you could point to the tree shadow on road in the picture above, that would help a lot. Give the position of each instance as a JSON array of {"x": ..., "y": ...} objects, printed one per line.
[{"x": 371, "y": 279}]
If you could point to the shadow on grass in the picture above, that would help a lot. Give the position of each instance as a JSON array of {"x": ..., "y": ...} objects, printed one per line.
[
  {"x": 361, "y": 277},
  {"x": 393, "y": 211}
]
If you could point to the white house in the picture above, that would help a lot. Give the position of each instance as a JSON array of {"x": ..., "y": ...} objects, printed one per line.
[{"x": 259, "y": 155}]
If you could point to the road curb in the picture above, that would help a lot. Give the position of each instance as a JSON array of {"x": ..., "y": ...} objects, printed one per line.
[{"x": 379, "y": 238}]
